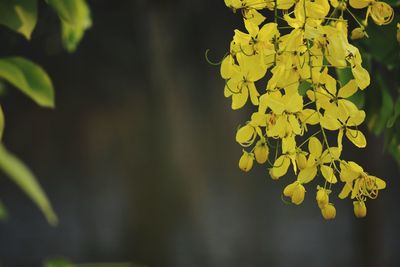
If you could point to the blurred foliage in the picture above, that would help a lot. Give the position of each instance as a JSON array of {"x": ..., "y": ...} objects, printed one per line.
[
  {"x": 381, "y": 56},
  {"x": 20, "y": 16},
  {"x": 63, "y": 262}
]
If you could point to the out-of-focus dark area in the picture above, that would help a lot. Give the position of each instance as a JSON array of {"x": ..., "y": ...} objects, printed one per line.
[{"x": 140, "y": 162}]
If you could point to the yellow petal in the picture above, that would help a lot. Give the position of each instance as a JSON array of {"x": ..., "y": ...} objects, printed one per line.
[
  {"x": 245, "y": 134},
  {"x": 361, "y": 75},
  {"x": 294, "y": 123},
  {"x": 289, "y": 189},
  {"x": 328, "y": 174},
  {"x": 307, "y": 175},
  {"x": 330, "y": 122},
  {"x": 240, "y": 99},
  {"x": 280, "y": 167},
  {"x": 315, "y": 147},
  {"x": 348, "y": 90},
  {"x": 275, "y": 102},
  {"x": 356, "y": 137},
  {"x": 345, "y": 191},
  {"x": 359, "y": 3}
]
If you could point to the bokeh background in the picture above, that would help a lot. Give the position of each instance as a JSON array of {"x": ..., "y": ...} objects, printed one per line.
[{"x": 139, "y": 158}]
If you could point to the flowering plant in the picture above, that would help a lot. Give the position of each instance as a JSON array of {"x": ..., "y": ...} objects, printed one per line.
[{"x": 300, "y": 54}]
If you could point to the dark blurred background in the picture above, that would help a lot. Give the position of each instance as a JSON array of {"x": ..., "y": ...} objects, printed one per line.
[{"x": 140, "y": 162}]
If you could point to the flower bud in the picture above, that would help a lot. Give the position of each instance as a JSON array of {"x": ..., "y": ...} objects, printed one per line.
[
  {"x": 261, "y": 152},
  {"x": 360, "y": 210},
  {"x": 329, "y": 212},
  {"x": 342, "y": 5},
  {"x": 298, "y": 194},
  {"x": 357, "y": 33},
  {"x": 398, "y": 33},
  {"x": 246, "y": 161},
  {"x": 322, "y": 198}
]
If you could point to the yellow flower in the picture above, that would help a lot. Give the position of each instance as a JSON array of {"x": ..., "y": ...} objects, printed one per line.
[
  {"x": 316, "y": 159},
  {"x": 280, "y": 167},
  {"x": 360, "y": 210},
  {"x": 381, "y": 12},
  {"x": 246, "y": 161},
  {"x": 296, "y": 192},
  {"x": 241, "y": 84},
  {"x": 359, "y": 183},
  {"x": 345, "y": 118},
  {"x": 247, "y": 134},
  {"x": 295, "y": 64}
]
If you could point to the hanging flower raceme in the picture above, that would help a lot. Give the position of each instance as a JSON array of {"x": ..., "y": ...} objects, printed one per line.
[{"x": 302, "y": 101}]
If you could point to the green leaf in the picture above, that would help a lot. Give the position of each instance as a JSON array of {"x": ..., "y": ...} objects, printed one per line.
[
  {"x": 378, "y": 121},
  {"x": 396, "y": 114},
  {"x": 75, "y": 20},
  {"x": 16, "y": 170},
  {"x": 19, "y": 15},
  {"x": 344, "y": 75},
  {"x": 382, "y": 44},
  {"x": 303, "y": 87},
  {"x": 30, "y": 78}
]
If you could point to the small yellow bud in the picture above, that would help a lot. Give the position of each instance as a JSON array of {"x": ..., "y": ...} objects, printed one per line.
[
  {"x": 261, "y": 152},
  {"x": 298, "y": 194},
  {"x": 246, "y": 161},
  {"x": 334, "y": 3},
  {"x": 322, "y": 198},
  {"x": 357, "y": 33},
  {"x": 329, "y": 212},
  {"x": 342, "y": 5},
  {"x": 360, "y": 210}
]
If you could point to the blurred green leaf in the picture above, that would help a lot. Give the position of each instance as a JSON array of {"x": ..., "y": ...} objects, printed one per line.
[
  {"x": 393, "y": 2},
  {"x": 19, "y": 15},
  {"x": 396, "y": 114},
  {"x": 378, "y": 121},
  {"x": 58, "y": 262},
  {"x": 30, "y": 78},
  {"x": 3, "y": 212},
  {"x": 2, "y": 122},
  {"x": 75, "y": 20},
  {"x": 382, "y": 44},
  {"x": 16, "y": 170}
]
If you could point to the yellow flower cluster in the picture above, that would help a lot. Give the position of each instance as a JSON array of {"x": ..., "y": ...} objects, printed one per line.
[{"x": 303, "y": 50}]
